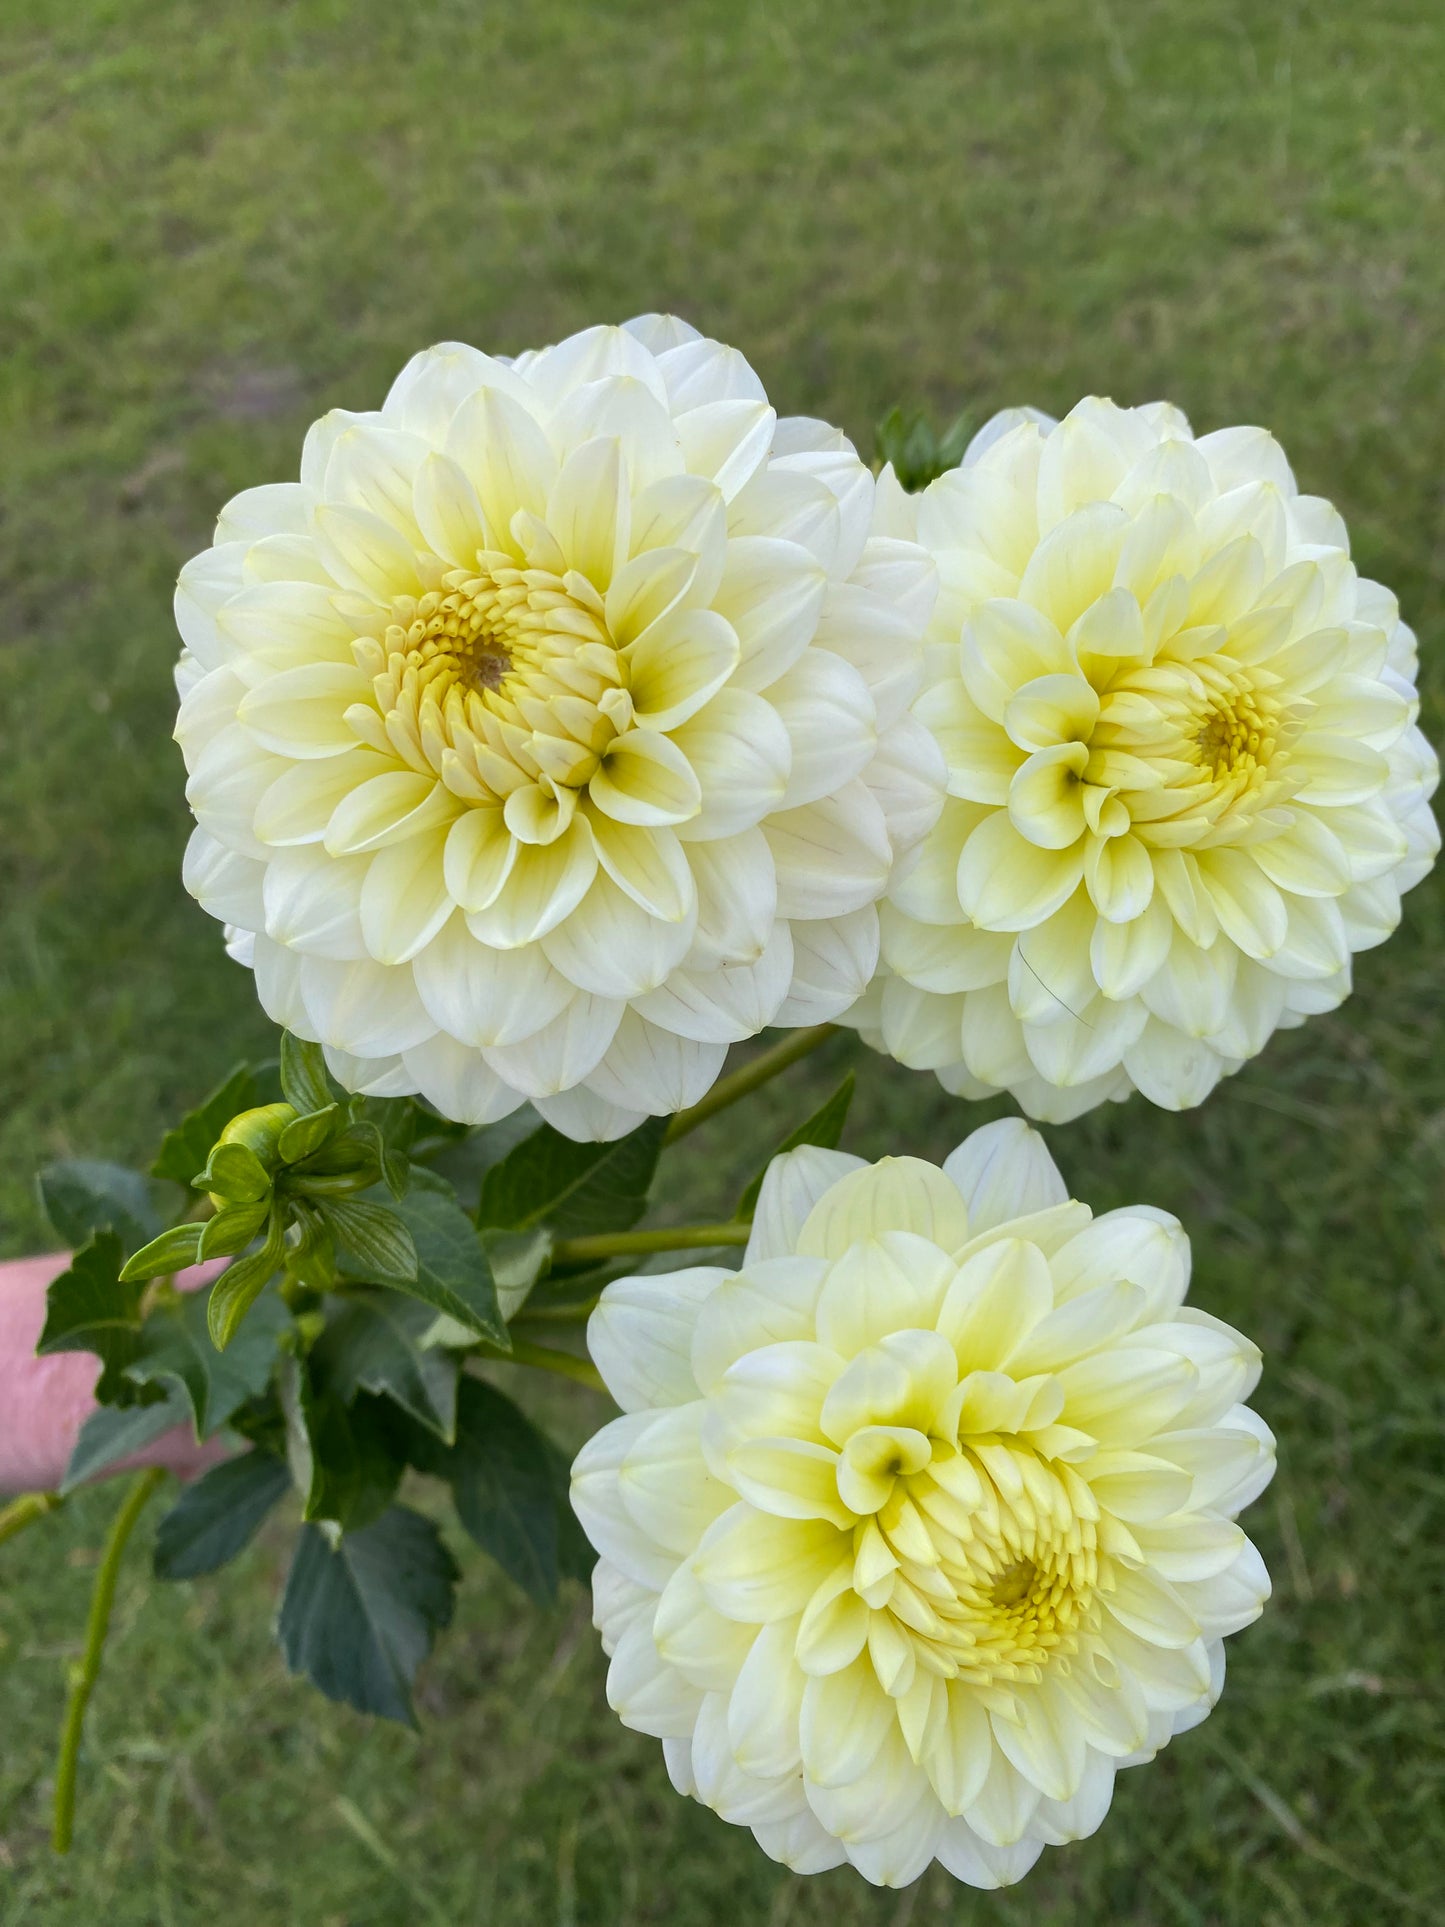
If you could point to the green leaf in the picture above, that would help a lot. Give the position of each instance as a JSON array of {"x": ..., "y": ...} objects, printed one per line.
[
  {"x": 305, "y": 1135},
  {"x": 172, "y": 1251},
  {"x": 572, "y": 1188},
  {"x": 305, "y": 1081},
  {"x": 378, "y": 1241},
  {"x": 517, "y": 1260},
  {"x": 505, "y": 1483},
  {"x": 89, "y": 1308},
  {"x": 359, "y": 1619},
  {"x": 234, "y": 1171},
  {"x": 232, "y": 1229},
  {"x": 452, "y": 1274},
  {"x": 241, "y": 1284},
  {"x": 341, "y": 1460},
  {"x": 387, "y": 1126},
  {"x": 218, "y": 1516},
  {"x": 175, "y": 1346},
  {"x": 185, "y": 1149},
  {"x": 373, "y": 1344},
  {"x": 824, "y": 1127},
  {"x": 919, "y": 455},
  {"x": 115, "y": 1431},
  {"x": 82, "y": 1196}
]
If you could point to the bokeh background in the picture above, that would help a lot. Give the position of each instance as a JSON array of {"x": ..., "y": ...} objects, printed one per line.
[{"x": 218, "y": 221}]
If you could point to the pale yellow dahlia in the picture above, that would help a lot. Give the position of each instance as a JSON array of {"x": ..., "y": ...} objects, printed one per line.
[
  {"x": 551, "y": 733},
  {"x": 1185, "y": 779},
  {"x": 921, "y": 1525}
]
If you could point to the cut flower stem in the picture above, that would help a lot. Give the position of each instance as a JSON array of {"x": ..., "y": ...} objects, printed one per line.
[{"x": 749, "y": 1077}]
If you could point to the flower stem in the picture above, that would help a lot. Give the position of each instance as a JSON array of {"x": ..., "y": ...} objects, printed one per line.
[
  {"x": 572, "y": 1313},
  {"x": 547, "y": 1359},
  {"x": 749, "y": 1077},
  {"x": 620, "y": 1244},
  {"x": 25, "y": 1510},
  {"x": 84, "y": 1676}
]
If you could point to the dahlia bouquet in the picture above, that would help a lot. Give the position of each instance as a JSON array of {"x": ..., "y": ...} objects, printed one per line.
[{"x": 572, "y": 719}]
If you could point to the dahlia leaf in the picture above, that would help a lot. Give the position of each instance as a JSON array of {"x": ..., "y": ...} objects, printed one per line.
[
  {"x": 218, "y": 1516},
  {"x": 341, "y": 1461},
  {"x": 452, "y": 1272},
  {"x": 824, "y": 1128},
  {"x": 375, "y": 1238},
  {"x": 82, "y": 1196},
  {"x": 114, "y": 1432},
  {"x": 374, "y": 1344},
  {"x": 91, "y": 1308},
  {"x": 175, "y": 1346},
  {"x": 509, "y": 1485},
  {"x": 359, "y": 1618},
  {"x": 305, "y": 1080},
  {"x": 572, "y": 1188},
  {"x": 185, "y": 1149}
]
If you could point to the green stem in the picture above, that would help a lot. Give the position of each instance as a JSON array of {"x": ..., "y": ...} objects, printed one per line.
[
  {"x": 749, "y": 1077},
  {"x": 547, "y": 1359},
  {"x": 621, "y": 1244},
  {"x": 84, "y": 1676},
  {"x": 569, "y": 1314},
  {"x": 25, "y": 1510}
]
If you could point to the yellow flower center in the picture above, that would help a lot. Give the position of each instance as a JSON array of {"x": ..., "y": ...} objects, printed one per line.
[
  {"x": 982, "y": 1565},
  {"x": 504, "y": 677}
]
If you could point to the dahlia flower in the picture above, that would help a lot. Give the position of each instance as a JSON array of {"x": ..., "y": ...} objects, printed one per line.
[
  {"x": 921, "y": 1525},
  {"x": 1185, "y": 780},
  {"x": 551, "y": 733}
]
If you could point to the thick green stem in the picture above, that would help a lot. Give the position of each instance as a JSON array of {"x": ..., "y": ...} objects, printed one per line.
[
  {"x": 569, "y": 1314},
  {"x": 547, "y": 1359},
  {"x": 622, "y": 1244},
  {"x": 84, "y": 1675},
  {"x": 25, "y": 1510},
  {"x": 749, "y": 1077}
]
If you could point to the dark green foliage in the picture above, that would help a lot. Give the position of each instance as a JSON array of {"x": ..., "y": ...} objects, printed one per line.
[
  {"x": 175, "y": 1347},
  {"x": 452, "y": 1273},
  {"x": 509, "y": 1485},
  {"x": 918, "y": 453},
  {"x": 115, "y": 1431},
  {"x": 824, "y": 1127},
  {"x": 219, "y": 1515},
  {"x": 90, "y": 1309},
  {"x": 359, "y": 1617},
  {"x": 573, "y": 1188},
  {"x": 82, "y": 1196},
  {"x": 373, "y": 1343}
]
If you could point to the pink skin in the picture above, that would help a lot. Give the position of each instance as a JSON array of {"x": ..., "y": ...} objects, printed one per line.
[{"x": 45, "y": 1401}]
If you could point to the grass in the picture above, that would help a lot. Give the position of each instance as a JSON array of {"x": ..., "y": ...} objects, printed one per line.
[{"x": 215, "y": 223}]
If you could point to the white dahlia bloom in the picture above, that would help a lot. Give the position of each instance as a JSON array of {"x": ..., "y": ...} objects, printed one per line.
[
  {"x": 1185, "y": 779},
  {"x": 921, "y": 1525},
  {"x": 552, "y": 733}
]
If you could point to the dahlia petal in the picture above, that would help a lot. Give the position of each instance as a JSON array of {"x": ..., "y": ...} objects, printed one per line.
[
  {"x": 225, "y": 884},
  {"x": 313, "y": 903},
  {"x": 654, "y": 1070},
  {"x": 801, "y": 1844},
  {"x": 478, "y": 859},
  {"x": 880, "y": 641},
  {"x": 448, "y": 511},
  {"x": 897, "y": 1194},
  {"x": 589, "y": 356},
  {"x": 646, "y": 779},
  {"x": 832, "y": 856},
  {"x": 458, "y": 1082},
  {"x": 647, "y": 589},
  {"x": 978, "y": 1863},
  {"x": 1140, "y": 1245},
  {"x": 1004, "y": 1171},
  {"x": 793, "y": 1184},
  {"x": 543, "y": 884},
  {"x": 1006, "y": 883},
  {"x": 612, "y": 947},
  {"x": 647, "y": 1695},
  {"x": 300, "y": 803},
  {"x": 706, "y": 1649},
  {"x": 1119, "y": 875},
  {"x": 755, "y": 1568},
  {"x": 833, "y": 961},
  {"x": 725, "y": 1004},
  {"x": 640, "y": 1336},
  {"x": 404, "y": 898},
  {"x": 480, "y": 995},
  {"x": 386, "y": 809},
  {"x": 1125, "y": 956},
  {"x": 679, "y": 662},
  {"x": 737, "y": 899},
  {"x": 1006, "y": 1803},
  {"x": 597, "y": 1501},
  {"x": 583, "y": 1116},
  {"x": 371, "y": 468},
  {"x": 628, "y": 411},
  {"x": 563, "y": 1052},
  {"x": 727, "y": 441},
  {"x": 828, "y": 712},
  {"x": 366, "y": 1008},
  {"x": 1043, "y": 1743},
  {"x": 845, "y": 1718},
  {"x": 364, "y": 552},
  {"x": 999, "y": 1296},
  {"x": 302, "y": 712},
  {"x": 697, "y": 370},
  {"x": 772, "y": 594},
  {"x": 281, "y": 625},
  {"x": 228, "y": 779},
  {"x": 919, "y": 1029},
  {"x": 741, "y": 755},
  {"x": 877, "y": 1285},
  {"x": 792, "y": 508},
  {"x": 1174, "y": 1071},
  {"x": 770, "y": 1303},
  {"x": 498, "y": 444}
]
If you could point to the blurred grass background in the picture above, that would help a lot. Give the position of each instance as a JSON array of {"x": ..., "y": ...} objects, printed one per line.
[{"x": 217, "y": 222}]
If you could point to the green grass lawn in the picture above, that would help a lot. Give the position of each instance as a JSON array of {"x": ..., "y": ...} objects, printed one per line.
[{"x": 216, "y": 222}]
